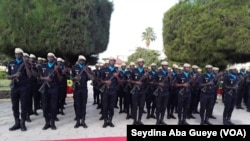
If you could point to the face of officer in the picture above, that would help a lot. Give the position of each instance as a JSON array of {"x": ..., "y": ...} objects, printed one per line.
[
  {"x": 111, "y": 62},
  {"x": 140, "y": 64},
  {"x": 132, "y": 67},
  {"x": 18, "y": 55},
  {"x": 153, "y": 68},
  {"x": 165, "y": 67},
  {"x": 195, "y": 70},
  {"x": 209, "y": 70},
  {"x": 59, "y": 62},
  {"x": 186, "y": 69},
  {"x": 50, "y": 58},
  {"x": 32, "y": 60},
  {"x": 81, "y": 61},
  {"x": 123, "y": 67}
]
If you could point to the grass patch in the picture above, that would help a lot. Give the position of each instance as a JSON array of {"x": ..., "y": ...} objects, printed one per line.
[{"x": 5, "y": 84}]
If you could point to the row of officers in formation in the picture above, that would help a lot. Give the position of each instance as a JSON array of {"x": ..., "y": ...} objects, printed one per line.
[{"x": 37, "y": 84}]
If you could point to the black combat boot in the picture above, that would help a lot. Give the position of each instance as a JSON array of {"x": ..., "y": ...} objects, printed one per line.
[
  {"x": 105, "y": 124},
  {"x": 78, "y": 124},
  {"x": 185, "y": 122},
  {"x": 161, "y": 121},
  {"x": 22, "y": 125},
  {"x": 52, "y": 124},
  {"x": 229, "y": 120},
  {"x": 28, "y": 118},
  {"x": 84, "y": 125},
  {"x": 110, "y": 123},
  {"x": 16, "y": 125}
]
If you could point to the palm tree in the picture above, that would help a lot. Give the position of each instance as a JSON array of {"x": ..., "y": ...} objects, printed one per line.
[{"x": 148, "y": 35}]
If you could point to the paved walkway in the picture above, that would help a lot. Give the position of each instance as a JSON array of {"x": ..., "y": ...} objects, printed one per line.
[{"x": 66, "y": 130}]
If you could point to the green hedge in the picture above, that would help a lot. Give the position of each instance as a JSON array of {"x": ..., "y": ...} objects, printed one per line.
[{"x": 3, "y": 75}]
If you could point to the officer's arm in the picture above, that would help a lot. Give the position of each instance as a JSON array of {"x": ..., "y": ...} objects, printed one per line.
[
  {"x": 58, "y": 74},
  {"x": 27, "y": 68}
]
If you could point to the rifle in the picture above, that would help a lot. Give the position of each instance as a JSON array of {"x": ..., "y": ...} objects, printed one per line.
[
  {"x": 235, "y": 87},
  {"x": 136, "y": 87},
  {"x": 159, "y": 88},
  {"x": 204, "y": 89},
  {"x": 77, "y": 83},
  {"x": 12, "y": 83},
  {"x": 104, "y": 86},
  {"x": 181, "y": 91},
  {"x": 45, "y": 83}
]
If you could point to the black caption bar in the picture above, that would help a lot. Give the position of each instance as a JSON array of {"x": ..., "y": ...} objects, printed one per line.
[{"x": 195, "y": 132}]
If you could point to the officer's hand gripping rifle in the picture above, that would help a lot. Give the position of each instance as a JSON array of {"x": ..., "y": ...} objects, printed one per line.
[
  {"x": 16, "y": 79},
  {"x": 136, "y": 87},
  {"x": 46, "y": 83},
  {"x": 105, "y": 86},
  {"x": 159, "y": 88}
]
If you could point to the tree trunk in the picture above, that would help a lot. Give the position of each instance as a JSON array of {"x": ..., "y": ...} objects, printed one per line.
[{"x": 147, "y": 43}]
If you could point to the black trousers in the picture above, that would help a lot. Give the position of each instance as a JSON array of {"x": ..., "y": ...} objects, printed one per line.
[
  {"x": 138, "y": 102},
  {"x": 62, "y": 95},
  {"x": 173, "y": 100},
  {"x": 183, "y": 105},
  {"x": 96, "y": 95},
  {"x": 161, "y": 104},
  {"x": 50, "y": 103},
  {"x": 33, "y": 98},
  {"x": 194, "y": 100},
  {"x": 128, "y": 102},
  {"x": 19, "y": 94},
  {"x": 80, "y": 101},
  {"x": 248, "y": 98},
  {"x": 150, "y": 102},
  {"x": 108, "y": 104},
  {"x": 230, "y": 102},
  {"x": 121, "y": 96},
  {"x": 206, "y": 105},
  {"x": 240, "y": 95}
]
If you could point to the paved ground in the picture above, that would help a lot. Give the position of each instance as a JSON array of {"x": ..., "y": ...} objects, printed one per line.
[{"x": 66, "y": 128}]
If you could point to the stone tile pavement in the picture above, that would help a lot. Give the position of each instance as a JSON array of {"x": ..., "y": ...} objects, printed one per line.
[{"x": 66, "y": 130}]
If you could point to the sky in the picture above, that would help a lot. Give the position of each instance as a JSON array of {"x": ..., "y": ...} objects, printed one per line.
[{"x": 129, "y": 19}]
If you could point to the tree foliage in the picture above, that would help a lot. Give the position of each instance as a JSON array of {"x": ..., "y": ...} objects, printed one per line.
[
  {"x": 66, "y": 27},
  {"x": 149, "y": 56},
  {"x": 203, "y": 32}
]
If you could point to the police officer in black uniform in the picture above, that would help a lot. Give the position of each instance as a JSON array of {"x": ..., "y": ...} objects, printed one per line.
[
  {"x": 247, "y": 81},
  {"x": 51, "y": 75},
  {"x": 163, "y": 79},
  {"x": 62, "y": 85},
  {"x": 194, "y": 92},
  {"x": 33, "y": 95},
  {"x": 110, "y": 78},
  {"x": 207, "y": 85},
  {"x": 127, "y": 89},
  {"x": 34, "y": 84},
  {"x": 121, "y": 93},
  {"x": 150, "y": 97},
  {"x": 96, "y": 85},
  {"x": 242, "y": 88},
  {"x": 139, "y": 79},
  {"x": 19, "y": 73},
  {"x": 184, "y": 94},
  {"x": 80, "y": 78},
  {"x": 173, "y": 95},
  {"x": 231, "y": 82}
]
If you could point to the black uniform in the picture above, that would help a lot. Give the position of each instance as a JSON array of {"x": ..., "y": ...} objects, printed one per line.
[
  {"x": 80, "y": 94},
  {"x": 51, "y": 95},
  {"x": 195, "y": 95},
  {"x": 109, "y": 95},
  {"x": 150, "y": 98},
  {"x": 206, "y": 97},
  {"x": 128, "y": 96},
  {"x": 173, "y": 96},
  {"x": 19, "y": 92},
  {"x": 230, "y": 81},
  {"x": 96, "y": 86},
  {"x": 138, "y": 98},
  {"x": 34, "y": 95},
  {"x": 121, "y": 93},
  {"x": 247, "y": 80},
  {"x": 162, "y": 96},
  {"x": 242, "y": 90},
  {"x": 184, "y": 97},
  {"x": 62, "y": 89}
]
